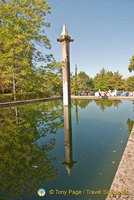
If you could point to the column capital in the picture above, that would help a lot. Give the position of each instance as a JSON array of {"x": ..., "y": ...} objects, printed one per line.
[{"x": 65, "y": 35}]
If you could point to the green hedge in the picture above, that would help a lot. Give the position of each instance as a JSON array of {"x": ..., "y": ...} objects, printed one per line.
[{"x": 23, "y": 96}]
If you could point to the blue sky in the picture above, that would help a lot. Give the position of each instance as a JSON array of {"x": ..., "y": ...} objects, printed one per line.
[{"x": 103, "y": 32}]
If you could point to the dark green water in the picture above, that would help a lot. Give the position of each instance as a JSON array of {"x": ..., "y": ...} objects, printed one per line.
[{"x": 44, "y": 145}]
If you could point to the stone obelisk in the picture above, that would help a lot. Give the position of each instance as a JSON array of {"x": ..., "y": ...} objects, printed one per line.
[{"x": 65, "y": 39}]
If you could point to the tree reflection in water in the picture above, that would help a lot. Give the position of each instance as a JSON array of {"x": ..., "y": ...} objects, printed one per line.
[
  {"x": 103, "y": 105},
  {"x": 23, "y": 163},
  {"x": 130, "y": 124}
]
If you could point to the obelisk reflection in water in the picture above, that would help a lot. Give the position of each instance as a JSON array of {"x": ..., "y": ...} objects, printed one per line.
[{"x": 69, "y": 163}]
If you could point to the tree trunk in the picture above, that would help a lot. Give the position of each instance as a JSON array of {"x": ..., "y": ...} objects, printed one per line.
[{"x": 14, "y": 88}]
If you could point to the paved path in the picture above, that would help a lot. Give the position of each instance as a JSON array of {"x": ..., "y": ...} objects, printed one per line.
[
  {"x": 110, "y": 98},
  {"x": 124, "y": 178}
]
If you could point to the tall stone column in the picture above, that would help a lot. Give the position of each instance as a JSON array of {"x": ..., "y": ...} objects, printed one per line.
[{"x": 65, "y": 39}]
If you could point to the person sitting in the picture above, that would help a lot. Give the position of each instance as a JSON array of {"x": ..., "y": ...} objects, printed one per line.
[
  {"x": 127, "y": 94},
  {"x": 119, "y": 93},
  {"x": 123, "y": 94},
  {"x": 103, "y": 94},
  {"x": 97, "y": 94},
  {"x": 131, "y": 94},
  {"x": 92, "y": 94},
  {"x": 114, "y": 94},
  {"x": 109, "y": 93}
]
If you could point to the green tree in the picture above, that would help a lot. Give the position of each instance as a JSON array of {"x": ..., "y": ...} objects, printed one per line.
[
  {"x": 117, "y": 82},
  {"x": 131, "y": 65},
  {"x": 50, "y": 78},
  {"x": 102, "y": 80},
  {"x": 84, "y": 82},
  {"x": 21, "y": 28},
  {"x": 106, "y": 80},
  {"x": 129, "y": 83}
]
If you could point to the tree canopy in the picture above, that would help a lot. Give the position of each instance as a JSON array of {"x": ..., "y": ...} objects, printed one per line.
[
  {"x": 129, "y": 84},
  {"x": 106, "y": 80},
  {"x": 22, "y": 28},
  {"x": 131, "y": 65},
  {"x": 84, "y": 82}
]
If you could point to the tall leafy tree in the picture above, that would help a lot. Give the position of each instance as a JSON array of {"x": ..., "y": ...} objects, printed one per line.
[
  {"x": 50, "y": 77},
  {"x": 84, "y": 82},
  {"x": 102, "y": 80},
  {"x": 21, "y": 27},
  {"x": 106, "y": 80},
  {"x": 129, "y": 83},
  {"x": 116, "y": 81}
]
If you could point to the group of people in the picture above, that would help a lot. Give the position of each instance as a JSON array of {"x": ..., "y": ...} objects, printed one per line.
[{"x": 108, "y": 93}]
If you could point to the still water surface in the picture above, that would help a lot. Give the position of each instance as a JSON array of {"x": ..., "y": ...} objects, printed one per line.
[{"x": 61, "y": 150}]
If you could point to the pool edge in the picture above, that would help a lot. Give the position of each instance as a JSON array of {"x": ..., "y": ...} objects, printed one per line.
[{"x": 123, "y": 182}]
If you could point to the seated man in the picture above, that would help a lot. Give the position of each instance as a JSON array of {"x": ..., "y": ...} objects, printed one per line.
[
  {"x": 97, "y": 94},
  {"x": 127, "y": 94},
  {"x": 123, "y": 93}
]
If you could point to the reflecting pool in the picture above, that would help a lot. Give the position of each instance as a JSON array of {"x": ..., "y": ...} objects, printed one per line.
[{"x": 72, "y": 153}]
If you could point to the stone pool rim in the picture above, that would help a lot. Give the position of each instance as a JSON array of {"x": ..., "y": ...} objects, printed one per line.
[{"x": 5, "y": 104}]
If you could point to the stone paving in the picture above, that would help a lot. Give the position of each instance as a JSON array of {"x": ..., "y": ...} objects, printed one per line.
[
  {"x": 59, "y": 97},
  {"x": 105, "y": 97},
  {"x": 123, "y": 182}
]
